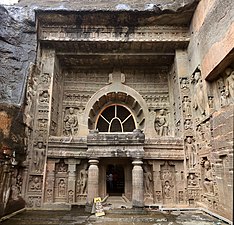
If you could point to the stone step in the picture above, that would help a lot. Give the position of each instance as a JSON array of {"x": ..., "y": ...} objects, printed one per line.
[{"x": 116, "y": 202}]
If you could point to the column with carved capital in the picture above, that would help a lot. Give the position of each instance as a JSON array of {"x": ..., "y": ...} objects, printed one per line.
[
  {"x": 72, "y": 179},
  {"x": 137, "y": 184},
  {"x": 50, "y": 179},
  {"x": 93, "y": 177}
]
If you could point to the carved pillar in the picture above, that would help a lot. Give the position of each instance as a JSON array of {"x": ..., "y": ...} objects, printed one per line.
[
  {"x": 71, "y": 187},
  {"x": 157, "y": 183},
  {"x": 93, "y": 177},
  {"x": 49, "y": 192},
  {"x": 24, "y": 183},
  {"x": 137, "y": 184},
  {"x": 40, "y": 131}
]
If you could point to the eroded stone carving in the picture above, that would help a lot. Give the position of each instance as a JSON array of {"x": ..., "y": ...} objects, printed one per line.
[
  {"x": 70, "y": 196},
  {"x": 192, "y": 180},
  {"x": 161, "y": 124},
  {"x": 187, "y": 106},
  {"x": 147, "y": 180},
  {"x": 83, "y": 179},
  {"x": 44, "y": 97},
  {"x": 184, "y": 83},
  {"x": 61, "y": 188},
  {"x": 167, "y": 189},
  {"x": 49, "y": 195},
  {"x": 158, "y": 196},
  {"x": 34, "y": 201},
  {"x": 45, "y": 78},
  {"x": 70, "y": 122},
  {"x": 211, "y": 101},
  {"x": 181, "y": 196},
  {"x": 208, "y": 178},
  {"x": 190, "y": 149},
  {"x": 61, "y": 167},
  {"x": 116, "y": 76},
  {"x": 199, "y": 95},
  {"x": 35, "y": 183},
  {"x": 167, "y": 180},
  {"x": 29, "y": 101},
  {"x": 223, "y": 98},
  {"x": 188, "y": 124},
  {"x": 38, "y": 161},
  {"x": 229, "y": 84}
]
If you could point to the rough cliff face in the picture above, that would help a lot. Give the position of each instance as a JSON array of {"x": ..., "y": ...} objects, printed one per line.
[{"x": 17, "y": 50}]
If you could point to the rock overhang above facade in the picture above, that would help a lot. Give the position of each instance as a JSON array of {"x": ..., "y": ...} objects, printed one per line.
[
  {"x": 179, "y": 13},
  {"x": 129, "y": 38}
]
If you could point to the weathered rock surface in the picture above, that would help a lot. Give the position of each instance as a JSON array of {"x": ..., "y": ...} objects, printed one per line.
[{"x": 17, "y": 50}]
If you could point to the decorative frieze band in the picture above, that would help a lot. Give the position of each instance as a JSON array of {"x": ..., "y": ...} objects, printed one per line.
[{"x": 99, "y": 33}]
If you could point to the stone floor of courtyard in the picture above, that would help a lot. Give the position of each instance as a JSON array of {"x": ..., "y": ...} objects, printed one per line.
[{"x": 112, "y": 217}]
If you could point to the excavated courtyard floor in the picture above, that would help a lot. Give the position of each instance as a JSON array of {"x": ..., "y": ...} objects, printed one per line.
[{"x": 119, "y": 217}]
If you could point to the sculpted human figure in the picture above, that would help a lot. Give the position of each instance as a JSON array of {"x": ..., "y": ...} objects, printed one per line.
[
  {"x": 167, "y": 189},
  {"x": 199, "y": 97},
  {"x": 186, "y": 106},
  {"x": 44, "y": 97},
  {"x": 208, "y": 178},
  {"x": 38, "y": 157},
  {"x": 36, "y": 184},
  {"x": 190, "y": 152},
  {"x": 191, "y": 180},
  {"x": 27, "y": 110},
  {"x": 61, "y": 188},
  {"x": 83, "y": 179},
  {"x": 184, "y": 83},
  {"x": 223, "y": 98},
  {"x": 62, "y": 167},
  {"x": 147, "y": 180},
  {"x": 230, "y": 83},
  {"x": 207, "y": 133},
  {"x": 70, "y": 123},
  {"x": 211, "y": 101},
  {"x": 161, "y": 123},
  {"x": 188, "y": 124},
  {"x": 78, "y": 186}
]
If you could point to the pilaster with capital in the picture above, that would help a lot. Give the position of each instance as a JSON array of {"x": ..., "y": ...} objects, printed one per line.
[
  {"x": 137, "y": 184},
  {"x": 93, "y": 179}
]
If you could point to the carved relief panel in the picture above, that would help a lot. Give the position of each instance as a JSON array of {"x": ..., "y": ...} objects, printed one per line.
[
  {"x": 210, "y": 192},
  {"x": 193, "y": 188},
  {"x": 35, "y": 183},
  {"x": 61, "y": 179},
  {"x": 167, "y": 176},
  {"x": 70, "y": 121},
  {"x": 207, "y": 177},
  {"x": 161, "y": 123},
  {"x": 222, "y": 89}
]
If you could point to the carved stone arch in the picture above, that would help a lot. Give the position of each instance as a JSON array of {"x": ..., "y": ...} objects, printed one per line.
[{"x": 116, "y": 94}]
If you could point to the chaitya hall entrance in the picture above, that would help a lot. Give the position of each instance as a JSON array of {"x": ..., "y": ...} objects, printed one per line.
[
  {"x": 102, "y": 120},
  {"x": 130, "y": 102}
]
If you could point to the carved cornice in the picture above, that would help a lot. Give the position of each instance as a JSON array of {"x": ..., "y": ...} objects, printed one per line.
[{"x": 102, "y": 33}]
